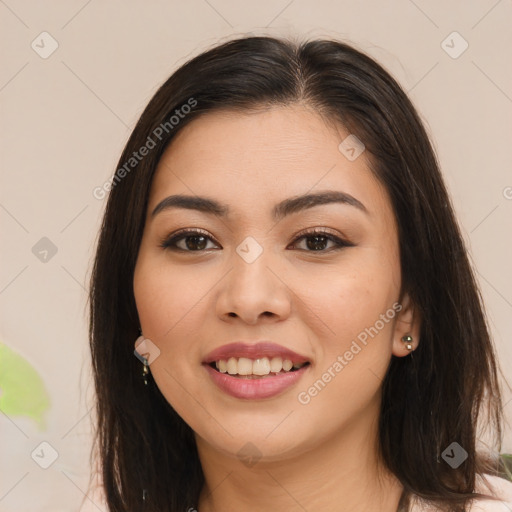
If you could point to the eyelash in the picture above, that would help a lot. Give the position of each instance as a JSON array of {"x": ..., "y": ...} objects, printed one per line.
[{"x": 168, "y": 243}]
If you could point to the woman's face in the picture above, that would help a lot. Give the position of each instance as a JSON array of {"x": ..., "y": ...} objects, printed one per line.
[{"x": 254, "y": 276}]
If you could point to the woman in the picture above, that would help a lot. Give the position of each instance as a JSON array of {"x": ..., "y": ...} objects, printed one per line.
[{"x": 280, "y": 250}]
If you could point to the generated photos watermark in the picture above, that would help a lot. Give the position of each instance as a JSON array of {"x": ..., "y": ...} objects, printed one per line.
[
  {"x": 159, "y": 134},
  {"x": 305, "y": 397}
]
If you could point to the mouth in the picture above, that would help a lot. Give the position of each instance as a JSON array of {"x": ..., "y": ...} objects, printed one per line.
[
  {"x": 255, "y": 371},
  {"x": 264, "y": 367}
]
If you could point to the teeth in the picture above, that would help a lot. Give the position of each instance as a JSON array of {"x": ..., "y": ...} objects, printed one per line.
[
  {"x": 262, "y": 366},
  {"x": 244, "y": 366},
  {"x": 232, "y": 366},
  {"x": 287, "y": 365},
  {"x": 276, "y": 364}
]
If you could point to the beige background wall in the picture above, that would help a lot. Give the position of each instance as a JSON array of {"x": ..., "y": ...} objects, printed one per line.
[{"x": 65, "y": 118}]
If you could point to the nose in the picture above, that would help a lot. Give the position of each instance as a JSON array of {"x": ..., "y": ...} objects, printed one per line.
[{"x": 254, "y": 290}]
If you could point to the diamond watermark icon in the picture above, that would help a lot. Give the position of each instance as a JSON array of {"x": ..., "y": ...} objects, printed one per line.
[
  {"x": 454, "y": 45},
  {"x": 249, "y": 250},
  {"x": 44, "y": 45},
  {"x": 351, "y": 147},
  {"x": 249, "y": 454},
  {"x": 146, "y": 350},
  {"x": 44, "y": 250},
  {"x": 454, "y": 455},
  {"x": 44, "y": 455}
]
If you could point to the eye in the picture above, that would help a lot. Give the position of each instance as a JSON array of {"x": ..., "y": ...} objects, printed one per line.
[
  {"x": 319, "y": 237},
  {"x": 195, "y": 240}
]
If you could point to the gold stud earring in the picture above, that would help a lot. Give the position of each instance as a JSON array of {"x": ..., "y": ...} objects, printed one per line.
[{"x": 408, "y": 341}]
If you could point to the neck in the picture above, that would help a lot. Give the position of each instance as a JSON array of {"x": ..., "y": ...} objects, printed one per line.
[{"x": 341, "y": 474}]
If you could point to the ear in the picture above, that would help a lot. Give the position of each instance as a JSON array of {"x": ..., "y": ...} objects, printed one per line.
[{"x": 408, "y": 323}]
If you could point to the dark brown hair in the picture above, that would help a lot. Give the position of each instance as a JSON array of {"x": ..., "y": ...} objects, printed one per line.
[{"x": 428, "y": 401}]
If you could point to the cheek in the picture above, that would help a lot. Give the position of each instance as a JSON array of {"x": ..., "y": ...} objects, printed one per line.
[
  {"x": 358, "y": 309},
  {"x": 154, "y": 301},
  {"x": 345, "y": 300},
  {"x": 173, "y": 305},
  {"x": 162, "y": 297},
  {"x": 166, "y": 303}
]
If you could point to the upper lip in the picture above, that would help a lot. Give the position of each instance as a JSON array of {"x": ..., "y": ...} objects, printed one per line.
[{"x": 253, "y": 351}]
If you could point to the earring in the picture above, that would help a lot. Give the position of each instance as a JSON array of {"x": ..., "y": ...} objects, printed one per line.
[
  {"x": 143, "y": 359},
  {"x": 145, "y": 372},
  {"x": 408, "y": 341}
]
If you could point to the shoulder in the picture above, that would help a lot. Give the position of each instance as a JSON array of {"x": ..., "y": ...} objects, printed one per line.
[
  {"x": 489, "y": 485},
  {"x": 495, "y": 486}
]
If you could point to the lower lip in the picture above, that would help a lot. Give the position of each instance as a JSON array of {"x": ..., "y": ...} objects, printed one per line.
[{"x": 254, "y": 389}]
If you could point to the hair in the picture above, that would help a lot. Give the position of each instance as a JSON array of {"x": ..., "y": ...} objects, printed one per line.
[{"x": 429, "y": 401}]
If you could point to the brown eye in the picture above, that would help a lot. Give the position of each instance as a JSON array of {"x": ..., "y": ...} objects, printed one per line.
[
  {"x": 193, "y": 241},
  {"x": 317, "y": 240},
  {"x": 197, "y": 241}
]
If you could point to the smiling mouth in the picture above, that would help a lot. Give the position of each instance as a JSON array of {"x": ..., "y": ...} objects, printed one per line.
[{"x": 245, "y": 368}]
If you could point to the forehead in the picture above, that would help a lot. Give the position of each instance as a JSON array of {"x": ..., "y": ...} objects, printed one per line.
[{"x": 253, "y": 159}]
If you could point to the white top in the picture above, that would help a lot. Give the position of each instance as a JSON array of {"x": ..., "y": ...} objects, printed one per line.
[
  {"x": 498, "y": 487},
  {"x": 493, "y": 485}
]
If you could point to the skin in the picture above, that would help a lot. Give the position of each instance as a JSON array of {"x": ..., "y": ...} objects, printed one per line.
[{"x": 322, "y": 455}]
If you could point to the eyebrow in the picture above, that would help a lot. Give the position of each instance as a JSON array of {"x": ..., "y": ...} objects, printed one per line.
[{"x": 281, "y": 210}]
